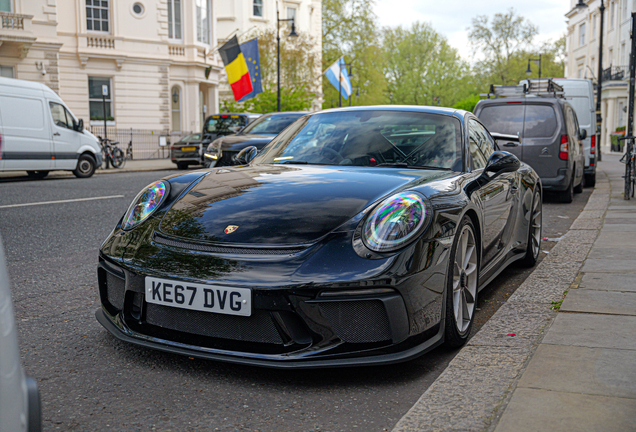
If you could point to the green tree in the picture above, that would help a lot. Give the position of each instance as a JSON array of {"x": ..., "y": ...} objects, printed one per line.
[
  {"x": 299, "y": 69},
  {"x": 422, "y": 68},
  {"x": 350, "y": 28},
  {"x": 500, "y": 40}
]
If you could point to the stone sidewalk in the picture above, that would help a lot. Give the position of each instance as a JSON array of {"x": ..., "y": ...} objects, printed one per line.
[{"x": 533, "y": 369}]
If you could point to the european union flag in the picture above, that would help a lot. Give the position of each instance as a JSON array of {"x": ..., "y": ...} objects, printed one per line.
[{"x": 250, "y": 52}]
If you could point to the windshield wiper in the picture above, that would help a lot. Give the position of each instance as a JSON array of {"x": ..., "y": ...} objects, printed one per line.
[{"x": 405, "y": 165}]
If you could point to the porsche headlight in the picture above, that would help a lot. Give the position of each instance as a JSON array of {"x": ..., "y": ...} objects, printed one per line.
[
  {"x": 395, "y": 222},
  {"x": 144, "y": 204}
]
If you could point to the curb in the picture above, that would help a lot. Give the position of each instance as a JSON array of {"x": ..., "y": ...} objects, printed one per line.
[
  {"x": 475, "y": 388},
  {"x": 99, "y": 171}
]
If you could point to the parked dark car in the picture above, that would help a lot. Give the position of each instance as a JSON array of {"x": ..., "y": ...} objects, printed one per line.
[
  {"x": 187, "y": 151},
  {"x": 357, "y": 236},
  {"x": 259, "y": 133},
  {"x": 550, "y": 138},
  {"x": 218, "y": 125}
]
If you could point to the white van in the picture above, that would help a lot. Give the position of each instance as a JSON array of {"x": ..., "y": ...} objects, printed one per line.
[
  {"x": 40, "y": 134},
  {"x": 579, "y": 93}
]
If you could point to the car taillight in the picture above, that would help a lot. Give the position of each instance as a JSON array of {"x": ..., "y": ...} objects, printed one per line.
[
  {"x": 593, "y": 145},
  {"x": 563, "y": 150}
]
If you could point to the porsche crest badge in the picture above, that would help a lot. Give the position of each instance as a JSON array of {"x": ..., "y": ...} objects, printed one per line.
[{"x": 230, "y": 229}]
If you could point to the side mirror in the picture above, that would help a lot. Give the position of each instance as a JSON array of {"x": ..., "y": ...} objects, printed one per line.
[
  {"x": 582, "y": 134},
  {"x": 246, "y": 155},
  {"x": 80, "y": 125},
  {"x": 502, "y": 162}
]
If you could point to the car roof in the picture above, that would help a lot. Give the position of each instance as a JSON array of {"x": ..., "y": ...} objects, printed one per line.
[{"x": 411, "y": 108}]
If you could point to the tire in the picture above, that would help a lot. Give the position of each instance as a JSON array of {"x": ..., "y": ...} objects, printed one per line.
[
  {"x": 85, "y": 167},
  {"x": 590, "y": 180},
  {"x": 628, "y": 183},
  {"x": 182, "y": 165},
  {"x": 119, "y": 158},
  {"x": 37, "y": 174},
  {"x": 535, "y": 225},
  {"x": 462, "y": 282},
  {"x": 578, "y": 189},
  {"x": 567, "y": 195}
]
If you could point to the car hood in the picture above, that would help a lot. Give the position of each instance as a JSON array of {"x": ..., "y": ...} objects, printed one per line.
[
  {"x": 239, "y": 142},
  {"x": 281, "y": 204}
]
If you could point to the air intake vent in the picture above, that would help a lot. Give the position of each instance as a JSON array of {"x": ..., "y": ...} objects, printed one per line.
[
  {"x": 115, "y": 289},
  {"x": 359, "y": 321},
  {"x": 224, "y": 249}
]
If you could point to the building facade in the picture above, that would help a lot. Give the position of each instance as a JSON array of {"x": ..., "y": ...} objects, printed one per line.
[
  {"x": 151, "y": 58},
  {"x": 245, "y": 17},
  {"x": 582, "y": 49}
]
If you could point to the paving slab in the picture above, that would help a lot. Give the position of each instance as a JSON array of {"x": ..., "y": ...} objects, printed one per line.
[
  {"x": 595, "y": 331},
  {"x": 609, "y": 253},
  {"x": 600, "y": 302},
  {"x": 620, "y": 227},
  {"x": 620, "y": 214},
  {"x": 616, "y": 239},
  {"x": 608, "y": 282},
  {"x": 602, "y": 265},
  {"x": 532, "y": 410},
  {"x": 573, "y": 369},
  {"x": 622, "y": 207}
]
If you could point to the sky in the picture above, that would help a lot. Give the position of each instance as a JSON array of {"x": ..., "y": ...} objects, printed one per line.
[{"x": 452, "y": 18}]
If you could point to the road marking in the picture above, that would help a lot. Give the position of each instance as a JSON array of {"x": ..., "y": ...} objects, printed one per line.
[{"x": 62, "y": 201}]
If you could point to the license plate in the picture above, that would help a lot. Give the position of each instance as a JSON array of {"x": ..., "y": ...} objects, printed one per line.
[
  {"x": 188, "y": 148},
  {"x": 199, "y": 297}
]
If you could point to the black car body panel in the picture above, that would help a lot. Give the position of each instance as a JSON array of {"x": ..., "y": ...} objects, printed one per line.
[
  {"x": 320, "y": 297},
  {"x": 187, "y": 150}
]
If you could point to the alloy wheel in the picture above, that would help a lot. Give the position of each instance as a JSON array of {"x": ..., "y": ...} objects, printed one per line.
[
  {"x": 465, "y": 279},
  {"x": 535, "y": 227}
]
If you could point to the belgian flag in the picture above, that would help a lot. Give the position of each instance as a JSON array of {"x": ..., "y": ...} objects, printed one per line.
[{"x": 236, "y": 68}]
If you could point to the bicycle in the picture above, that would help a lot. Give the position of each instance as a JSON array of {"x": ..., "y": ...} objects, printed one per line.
[
  {"x": 129, "y": 151},
  {"x": 111, "y": 153},
  {"x": 629, "y": 159}
]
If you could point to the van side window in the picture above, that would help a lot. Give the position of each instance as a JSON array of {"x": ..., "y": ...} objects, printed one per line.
[
  {"x": 477, "y": 141},
  {"x": 60, "y": 116}
]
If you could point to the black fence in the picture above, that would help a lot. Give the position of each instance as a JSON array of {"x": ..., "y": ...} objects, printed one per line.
[
  {"x": 616, "y": 73},
  {"x": 145, "y": 144}
]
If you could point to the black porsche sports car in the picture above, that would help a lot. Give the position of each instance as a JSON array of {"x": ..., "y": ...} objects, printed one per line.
[
  {"x": 357, "y": 236},
  {"x": 223, "y": 150}
]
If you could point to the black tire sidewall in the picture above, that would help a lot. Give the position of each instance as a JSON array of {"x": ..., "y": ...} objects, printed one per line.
[
  {"x": 85, "y": 174},
  {"x": 452, "y": 336}
]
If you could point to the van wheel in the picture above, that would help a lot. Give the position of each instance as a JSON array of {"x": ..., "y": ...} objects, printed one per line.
[
  {"x": 590, "y": 180},
  {"x": 85, "y": 166},
  {"x": 578, "y": 189},
  {"x": 567, "y": 195},
  {"x": 37, "y": 174}
]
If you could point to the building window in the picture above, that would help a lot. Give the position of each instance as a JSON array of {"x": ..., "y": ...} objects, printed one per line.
[
  {"x": 624, "y": 10},
  {"x": 612, "y": 13},
  {"x": 203, "y": 21},
  {"x": 580, "y": 73},
  {"x": 621, "y": 114},
  {"x": 5, "y": 6},
  {"x": 96, "y": 101},
  {"x": 611, "y": 57},
  {"x": 175, "y": 103},
  {"x": 174, "y": 19},
  {"x": 7, "y": 72},
  {"x": 291, "y": 13},
  {"x": 623, "y": 57},
  {"x": 97, "y": 15},
  {"x": 258, "y": 8},
  {"x": 593, "y": 36},
  {"x": 593, "y": 65},
  {"x": 582, "y": 34}
]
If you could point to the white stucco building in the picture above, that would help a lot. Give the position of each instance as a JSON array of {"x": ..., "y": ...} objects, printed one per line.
[{"x": 582, "y": 48}]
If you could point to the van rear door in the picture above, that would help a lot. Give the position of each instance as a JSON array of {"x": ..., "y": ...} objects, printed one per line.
[
  {"x": 541, "y": 139},
  {"x": 26, "y": 140},
  {"x": 66, "y": 141},
  {"x": 505, "y": 118}
]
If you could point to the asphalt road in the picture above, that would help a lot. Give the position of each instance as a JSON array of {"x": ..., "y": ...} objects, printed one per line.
[{"x": 90, "y": 381}]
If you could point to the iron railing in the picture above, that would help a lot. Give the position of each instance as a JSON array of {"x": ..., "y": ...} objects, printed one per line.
[
  {"x": 615, "y": 73},
  {"x": 145, "y": 143}
]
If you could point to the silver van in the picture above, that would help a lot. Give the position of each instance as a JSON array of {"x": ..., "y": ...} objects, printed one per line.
[
  {"x": 40, "y": 134},
  {"x": 550, "y": 138}
]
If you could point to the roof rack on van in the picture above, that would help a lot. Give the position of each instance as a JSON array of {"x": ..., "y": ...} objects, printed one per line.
[{"x": 534, "y": 87}]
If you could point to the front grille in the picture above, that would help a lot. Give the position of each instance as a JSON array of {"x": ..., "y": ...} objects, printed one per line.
[
  {"x": 358, "y": 321},
  {"x": 223, "y": 249},
  {"x": 259, "y": 327},
  {"x": 115, "y": 289}
]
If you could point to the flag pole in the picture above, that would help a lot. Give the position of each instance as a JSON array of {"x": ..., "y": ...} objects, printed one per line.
[{"x": 339, "y": 84}]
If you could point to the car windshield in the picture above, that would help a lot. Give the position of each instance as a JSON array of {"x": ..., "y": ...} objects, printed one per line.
[
  {"x": 369, "y": 138},
  {"x": 270, "y": 125},
  {"x": 191, "y": 137},
  {"x": 224, "y": 123}
]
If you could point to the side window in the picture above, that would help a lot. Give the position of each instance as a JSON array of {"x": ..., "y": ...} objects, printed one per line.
[
  {"x": 59, "y": 116},
  {"x": 476, "y": 139},
  {"x": 487, "y": 144}
]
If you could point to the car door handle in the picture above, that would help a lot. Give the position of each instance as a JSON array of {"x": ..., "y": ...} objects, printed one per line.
[
  {"x": 56, "y": 134},
  {"x": 510, "y": 144}
]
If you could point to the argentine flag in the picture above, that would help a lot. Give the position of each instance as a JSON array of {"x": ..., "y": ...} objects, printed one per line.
[{"x": 332, "y": 76}]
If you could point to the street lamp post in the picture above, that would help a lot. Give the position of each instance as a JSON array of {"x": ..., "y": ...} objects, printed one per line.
[
  {"x": 599, "y": 119},
  {"x": 529, "y": 71},
  {"x": 291, "y": 34}
]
